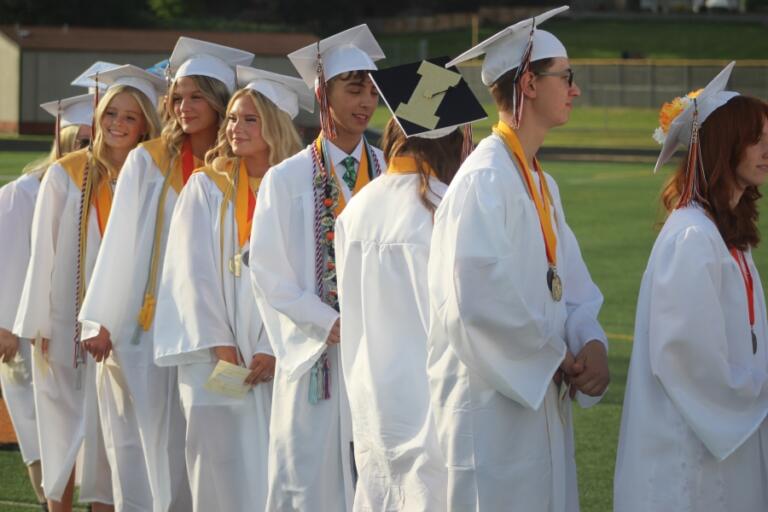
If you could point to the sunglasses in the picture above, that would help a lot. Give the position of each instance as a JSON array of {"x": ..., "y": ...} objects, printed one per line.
[
  {"x": 82, "y": 143},
  {"x": 567, "y": 73}
]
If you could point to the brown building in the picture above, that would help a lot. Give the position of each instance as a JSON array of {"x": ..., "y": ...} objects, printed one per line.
[{"x": 38, "y": 63}]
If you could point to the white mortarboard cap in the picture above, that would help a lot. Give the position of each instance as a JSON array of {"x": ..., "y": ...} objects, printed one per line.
[
  {"x": 195, "y": 57},
  {"x": 148, "y": 83},
  {"x": 76, "y": 110},
  {"x": 504, "y": 50},
  {"x": 286, "y": 92},
  {"x": 85, "y": 79},
  {"x": 426, "y": 99},
  {"x": 355, "y": 49},
  {"x": 712, "y": 97}
]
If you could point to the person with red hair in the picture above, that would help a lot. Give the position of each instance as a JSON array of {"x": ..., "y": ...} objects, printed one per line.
[{"x": 694, "y": 431}]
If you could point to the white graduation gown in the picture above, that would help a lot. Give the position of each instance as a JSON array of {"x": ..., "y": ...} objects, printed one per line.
[
  {"x": 310, "y": 454},
  {"x": 202, "y": 305},
  {"x": 496, "y": 339},
  {"x": 694, "y": 434},
  {"x": 382, "y": 249},
  {"x": 142, "y": 415},
  {"x": 17, "y": 204},
  {"x": 65, "y": 398}
]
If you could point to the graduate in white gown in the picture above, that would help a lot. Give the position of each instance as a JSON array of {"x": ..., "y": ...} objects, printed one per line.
[
  {"x": 694, "y": 434},
  {"x": 69, "y": 221},
  {"x": 206, "y": 292},
  {"x": 118, "y": 311},
  {"x": 382, "y": 248},
  {"x": 292, "y": 266},
  {"x": 17, "y": 204},
  {"x": 129, "y": 480},
  {"x": 513, "y": 307}
]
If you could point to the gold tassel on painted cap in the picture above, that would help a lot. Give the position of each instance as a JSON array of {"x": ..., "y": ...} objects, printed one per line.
[{"x": 326, "y": 121}]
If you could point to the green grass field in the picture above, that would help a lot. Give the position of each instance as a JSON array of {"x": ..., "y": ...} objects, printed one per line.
[
  {"x": 613, "y": 210},
  {"x": 695, "y": 38}
]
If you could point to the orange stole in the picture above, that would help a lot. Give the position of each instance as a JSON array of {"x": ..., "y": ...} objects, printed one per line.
[
  {"x": 243, "y": 196},
  {"x": 362, "y": 176},
  {"x": 75, "y": 164}
]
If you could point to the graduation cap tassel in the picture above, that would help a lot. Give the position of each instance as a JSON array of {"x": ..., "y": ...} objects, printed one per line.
[
  {"x": 93, "y": 119},
  {"x": 57, "y": 130},
  {"x": 525, "y": 64},
  {"x": 468, "y": 145},
  {"x": 326, "y": 121},
  {"x": 690, "y": 190}
]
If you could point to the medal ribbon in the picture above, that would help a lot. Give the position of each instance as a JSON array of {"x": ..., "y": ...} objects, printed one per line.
[
  {"x": 542, "y": 201},
  {"x": 741, "y": 261}
]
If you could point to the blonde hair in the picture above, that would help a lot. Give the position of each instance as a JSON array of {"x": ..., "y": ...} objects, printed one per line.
[
  {"x": 98, "y": 161},
  {"x": 277, "y": 130},
  {"x": 215, "y": 93},
  {"x": 67, "y": 140}
]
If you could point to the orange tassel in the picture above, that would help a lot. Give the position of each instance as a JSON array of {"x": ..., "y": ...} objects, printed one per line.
[
  {"x": 57, "y": 130},
  {"x": 326, "y": 121},
  {"x": 468, "y": 145},
  {"x": 93, "y": 120},
  {"x": 525, "y": 64}
]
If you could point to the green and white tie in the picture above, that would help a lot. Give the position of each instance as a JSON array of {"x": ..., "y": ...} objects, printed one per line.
[{"x": 350, "y": 172}]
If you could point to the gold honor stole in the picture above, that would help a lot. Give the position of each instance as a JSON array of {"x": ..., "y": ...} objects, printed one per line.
[
  {"x": 362, "y": 174},
  {"x": 237, "y": 188},
  {"x": 407, "y": 165},
  {"x": 75, "y": 164},
  {"x": 175, "y": 177},
  {"x": 542, "y": 201}
]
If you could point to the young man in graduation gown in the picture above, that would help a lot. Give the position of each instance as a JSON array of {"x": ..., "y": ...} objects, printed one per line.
[
  {"x": 513, "y": 308},
  {"x": 311, "y": 462},
  {"x": 118, "y": 310}
]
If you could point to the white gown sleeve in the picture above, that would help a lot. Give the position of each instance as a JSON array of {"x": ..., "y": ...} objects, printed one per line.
[
  {"x": 109, "y": 290},
  {"x": 191, "y": 281},
  {"x": 486, "y": 315},
  {"x": 298, "y": 321},
  {"x": 34, "y": 314},
  {"x": 722, "y": 402},
  {"x": 16, "y": 209}
]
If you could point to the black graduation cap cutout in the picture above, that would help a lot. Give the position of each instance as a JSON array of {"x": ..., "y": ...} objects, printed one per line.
[{"x": 427, "y": 99}]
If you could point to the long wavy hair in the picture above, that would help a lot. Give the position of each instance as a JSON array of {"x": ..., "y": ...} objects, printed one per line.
[
  {"x": 99, "y": 164},
  {"x": 68, "y": 141},
  {"x": 277, "y": 130},
  {"x": 215, "y": 93},
  {"x": 442, "y": 154},
  {"x": 724, "y": 137}
]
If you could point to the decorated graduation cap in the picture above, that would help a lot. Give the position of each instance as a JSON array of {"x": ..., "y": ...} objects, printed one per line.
[
  {"x": 148, "y": 83},
  {"x": 429, "y": 100},
  {"x": 516, "y": 47},
  {"x": 86, "y": 78},
  {"x": 160, "y": 68},
  {"x": 195, "y": 57},
  {"x": 286, "y": 92},
  {"x": 354, "y": 49},
  {"x": 72, "y": 111},
  {"x": 680, "y": 121}
]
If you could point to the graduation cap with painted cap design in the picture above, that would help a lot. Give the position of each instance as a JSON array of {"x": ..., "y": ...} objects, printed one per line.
[
  {"x": 195, "y": 57},
  {"x": 148, "y": 83},
  {"x": 85, "y": 79},
  {"x": 427, "y": 99},
  {"x": 516, "y": 47},
  {"x": 688, "y": 113},
  {"x": 72, "y": 111},
  {"x": 286, "y": 92},
  {"x": 354, "y": 49},
  {"x": 160, "y": 68}
]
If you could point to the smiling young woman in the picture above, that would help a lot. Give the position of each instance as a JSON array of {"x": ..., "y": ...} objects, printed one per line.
[
  {"x": 119, "y": 309},
  {"x": 70, "y": 219},
  {"x": 227, "y": 437},
  {"x": 694, "y": 422}
]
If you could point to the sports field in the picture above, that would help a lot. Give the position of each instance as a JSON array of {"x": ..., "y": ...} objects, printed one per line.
[{"x": 613, "y": 209}]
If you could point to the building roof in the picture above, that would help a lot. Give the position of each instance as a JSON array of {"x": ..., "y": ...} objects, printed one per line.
[{"x": 147, "y": 40}]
